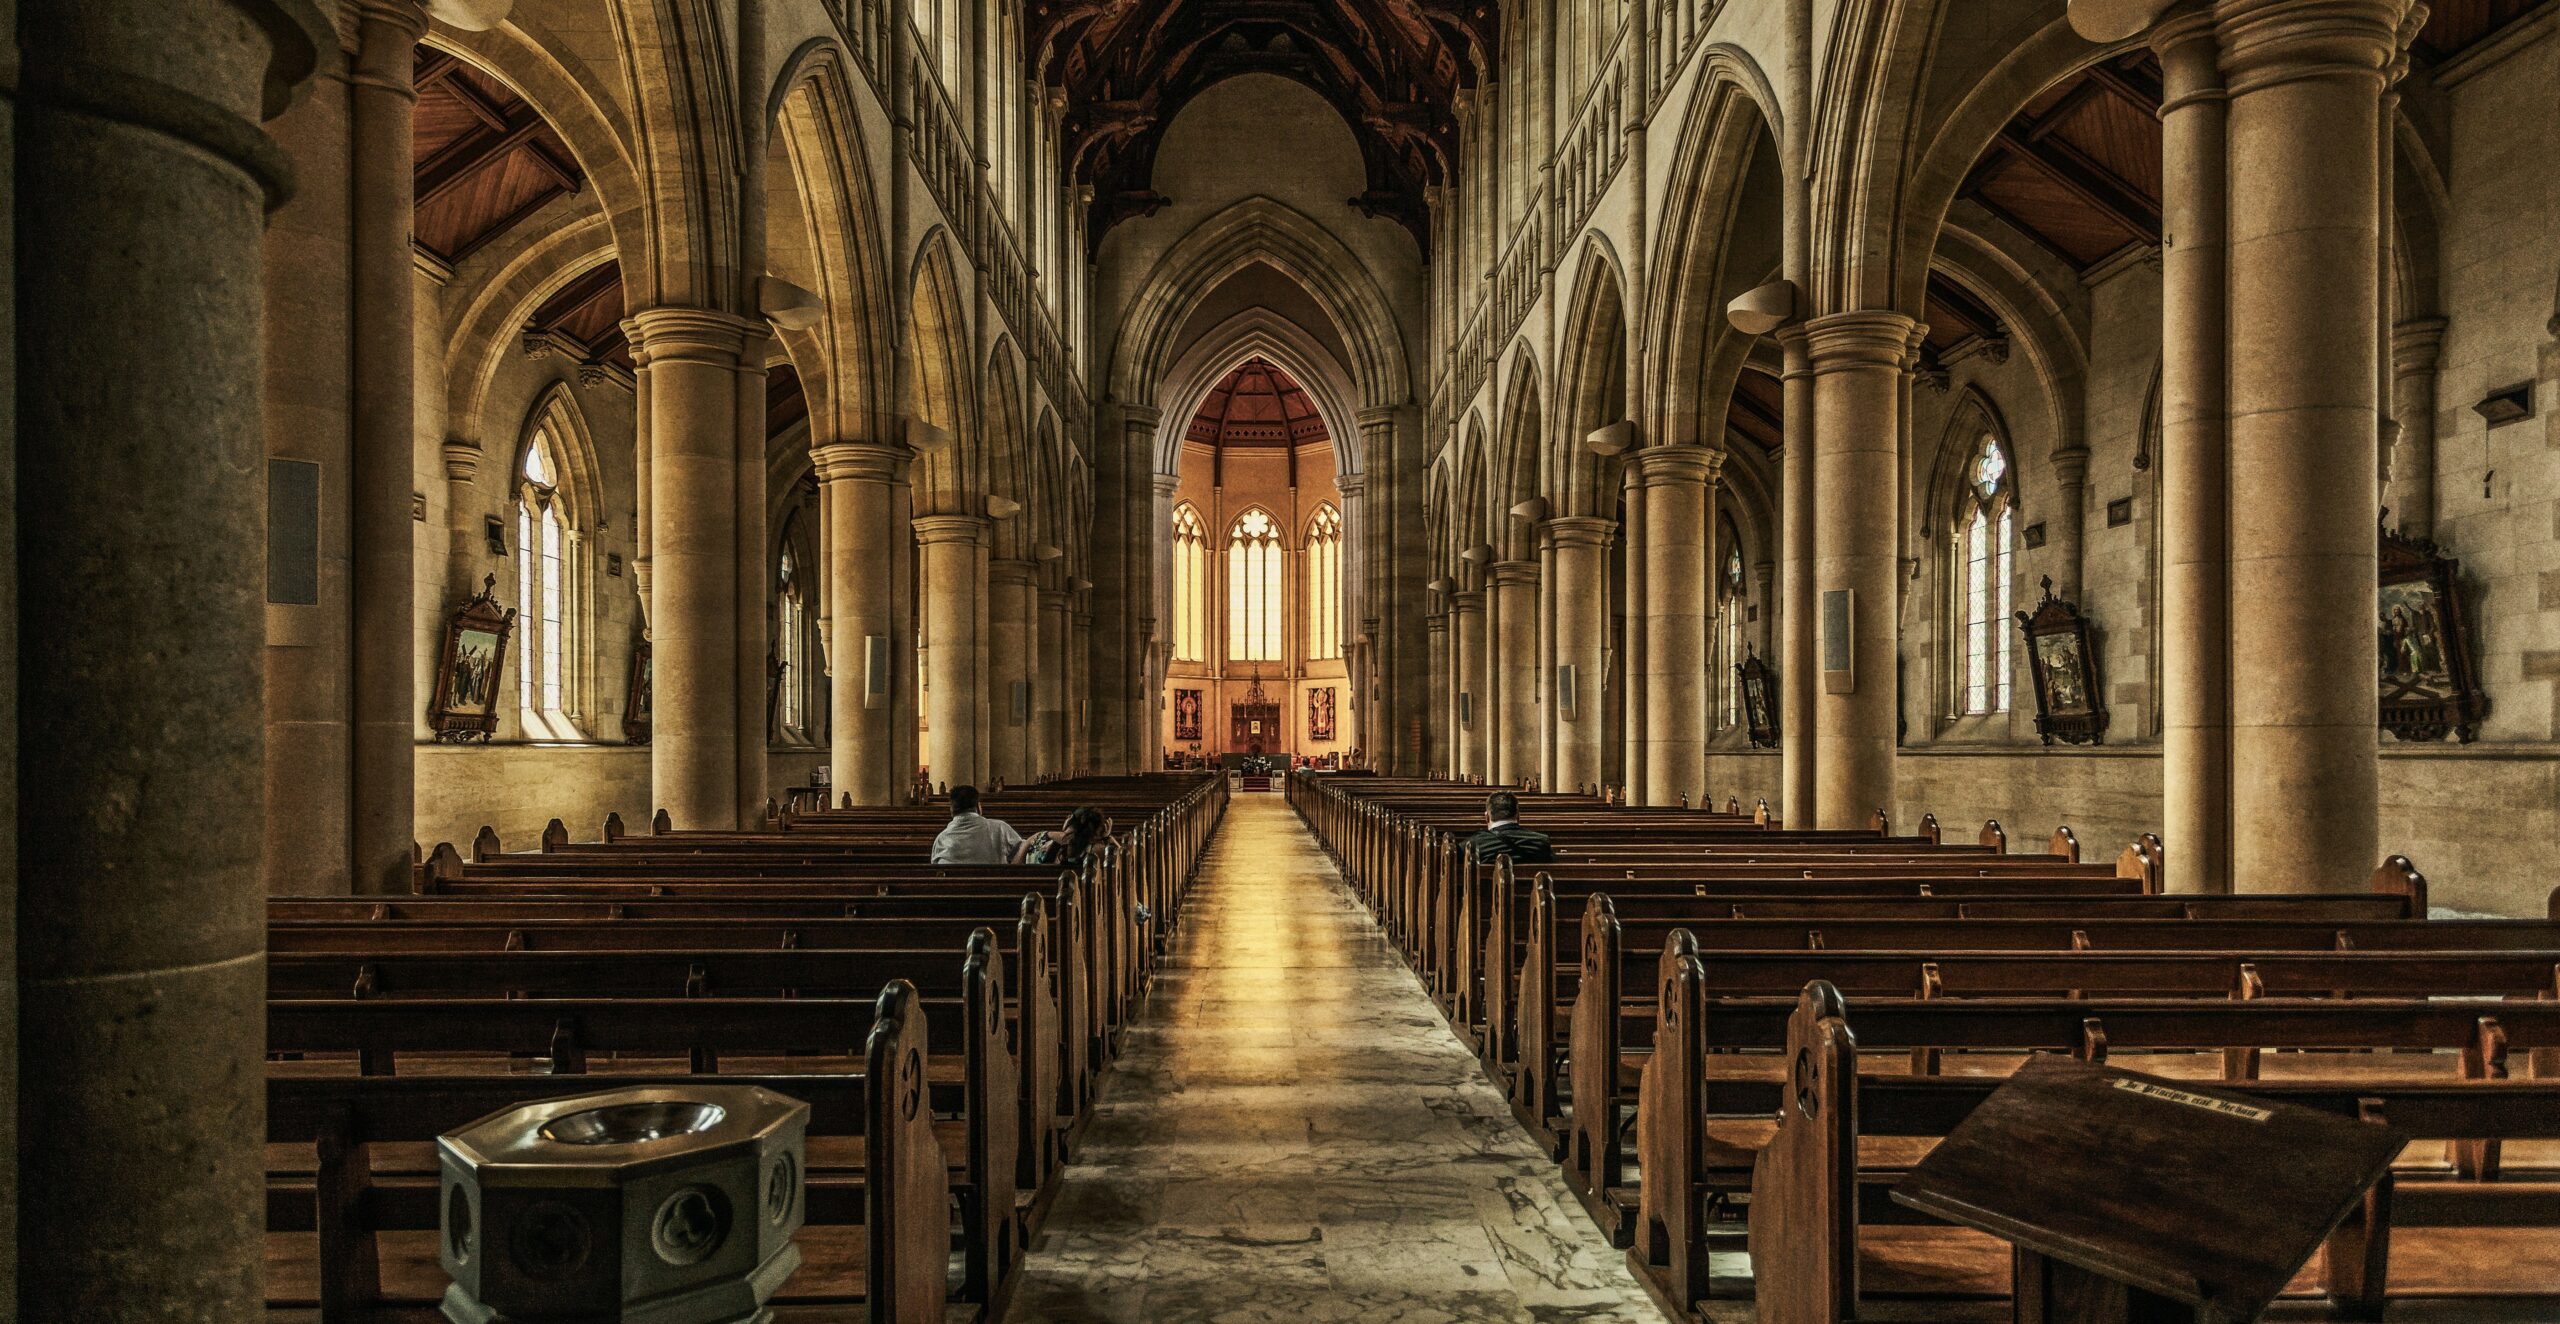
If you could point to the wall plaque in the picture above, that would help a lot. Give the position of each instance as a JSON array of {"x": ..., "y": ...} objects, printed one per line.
[{"x": 1839, "y": 645}]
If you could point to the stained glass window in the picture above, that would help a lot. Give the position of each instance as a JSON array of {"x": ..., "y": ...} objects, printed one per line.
[
  {"x": 1987, "y": 537},
  {"x": 1324, "y": 584},
  {"x": 1253, "y": 589}
]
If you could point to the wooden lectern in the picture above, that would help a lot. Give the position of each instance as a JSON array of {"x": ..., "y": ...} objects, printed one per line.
[{"x": 2137, "y": 1200}]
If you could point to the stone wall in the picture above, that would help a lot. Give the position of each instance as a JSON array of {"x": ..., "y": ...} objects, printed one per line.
[{"x": 518, "y": 788}]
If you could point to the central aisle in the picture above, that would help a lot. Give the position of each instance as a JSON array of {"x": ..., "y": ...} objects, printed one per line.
[{"x": 1293, "y": 1134}]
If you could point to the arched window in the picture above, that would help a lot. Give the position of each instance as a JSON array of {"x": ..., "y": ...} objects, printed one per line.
[
  {"x": 546, "y": 618},
  {"x": 791, "y": 647},
  {"x": 1985, "y": 531},
  {"x": 1730, "y": 609},
  {"x": 1324, "y": 584},
  {"x": 1190, "y": 586},
  {"x": 1253, "y": 589}
]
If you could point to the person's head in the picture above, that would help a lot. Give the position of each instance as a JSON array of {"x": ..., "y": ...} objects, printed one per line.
[
  {"x": 964, "y": 800},
  {"x": 1499, "y": 807},
  {"x": 1082, "y": 827}
]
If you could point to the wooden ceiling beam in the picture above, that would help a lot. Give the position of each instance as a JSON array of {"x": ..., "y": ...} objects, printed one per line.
[
  {"x": 2088, "y": 180},
  {"x": 489, "y": 112},
  {"x": 457, "y": 163}
]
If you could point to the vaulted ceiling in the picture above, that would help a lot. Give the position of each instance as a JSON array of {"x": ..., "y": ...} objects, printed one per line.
[
  {"x": 1257, "y": 405},
  {"x": 485, "y": 158},
  {"x": 1392, "y": 67}
]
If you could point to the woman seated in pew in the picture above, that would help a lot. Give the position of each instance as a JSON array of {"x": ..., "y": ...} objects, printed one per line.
[
  {"x": 1067, "y": 847},
  {"x": 1503, "y": 834}
]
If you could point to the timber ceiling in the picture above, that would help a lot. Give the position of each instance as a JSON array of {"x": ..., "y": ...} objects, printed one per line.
[
  {"x": 587, "y": 312},
  {"x": 1759, "y": 410},
  {"x": 1392, "y": 67},
  {"x": 486, "y": 160},
  {"x": 1258, "y": 405}
]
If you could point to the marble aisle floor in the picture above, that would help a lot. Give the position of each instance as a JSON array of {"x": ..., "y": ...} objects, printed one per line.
[{"x": 1292, "y": 1133}]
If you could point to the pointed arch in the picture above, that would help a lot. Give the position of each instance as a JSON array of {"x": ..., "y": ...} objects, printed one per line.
[
  {"x": 1007, "y": 451},
  {"x": 1706, "y": 254},
  {"x": 1515, "y": 462},
  {"x": 1591, "y": 384},
  {"x": 950, "y": 480},
  {"x": 491, "y": 325},
  {"x": 1262, "y": 229},
  {"x": 845, "y": 355},
  {"x": 1251, "y": 334}
]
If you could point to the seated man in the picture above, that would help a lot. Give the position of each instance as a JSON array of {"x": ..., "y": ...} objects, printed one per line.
[
  {"x": 1503, "y": 834},
  {"x": 972, "y": 837}
]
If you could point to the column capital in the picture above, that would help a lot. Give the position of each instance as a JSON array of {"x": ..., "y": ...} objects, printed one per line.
[
  {"x": 1668, "y": 466},
  {"x": 2276, "y": 41},
  {"x": 461, "y": 459},
  {"x": 1436, "y": 623},
  {"x": 689, "y": 335},
  {"x": 934, "y": 530},
  {"x": 1847, "y": 342},
  {"x": 1582, "y": 530},
  {"x": 1515, "y": 574},
  {"x": 1351, "y": 485},
  {"x": 1056, "y": 599},
  {"x": 1470, "y": 600},
  {"x": 2071, "y": 467},
  {"x": 1015, "y": 573},
  {"x": 2415, "y": 345},
  {"x": 1168, "y": 484},
  {"x": 858, "y": 462}
]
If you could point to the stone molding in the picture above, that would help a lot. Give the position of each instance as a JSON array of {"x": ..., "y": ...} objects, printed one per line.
[
  {"x": 1012, "y": 573},
  {"x": 1467, "y": 603},
  {"x": 2269, "y": 42},
  {"x": 690, "y": 335},
  {"x": 1582, "y": 531},
  {"x": 1675, "y": 466},
  {"x": 1515, "y": 574},
  {"x": 858, "y": 462},
  {"x": 461, "y": 459},
  {"x": 935, "y": 530},
  {"x": 1850, "y": 342}
]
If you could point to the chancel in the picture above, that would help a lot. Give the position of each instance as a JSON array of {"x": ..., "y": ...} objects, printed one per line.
[{"x": 2001, "y": 556}]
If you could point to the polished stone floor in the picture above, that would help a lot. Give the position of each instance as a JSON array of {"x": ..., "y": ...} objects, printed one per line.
[{"x": 1293, "y": 1134}]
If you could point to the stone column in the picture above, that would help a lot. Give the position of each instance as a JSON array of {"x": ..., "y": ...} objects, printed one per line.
[
  {"x": 752, "y": 568},
  {"x": 856, "y": 483},
  {"x": 142, "y": 184},
  {"x": 1051, "y": 739},
  {"x": 692, "y": 359},
  {"x": 2415, "y": 346},
  {"x": 1857, "y": 370},
  {"x": 2304, "y": 76},
  {"x": 1516, "y": 738},
  {"x": 382, "y": 101},
  {"x": 1583, "y": 608},
  {"x": 1359, "y": 595},
  {"x": 1466, "y": 643},
  {"x": 1674, "y": 483},
  {"x": 1081, "y": 757},
  {"x": 1542, "y": 680},
  {"x": 2195, "y": 667},
  {"x": 466, "y": 537},
  {"x": 1797, "y": 663},
  {"x": 954, "y": 552},
  {"x": 2066, "y": 527},
  {"x": 1436, "y": 633},
  {"x": 1013, "y": 639}
]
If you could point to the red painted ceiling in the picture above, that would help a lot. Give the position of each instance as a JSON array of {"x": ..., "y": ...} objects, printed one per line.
[
  {"x": 1392, "y": 67},
  {"x": 1257, "y": 405}
]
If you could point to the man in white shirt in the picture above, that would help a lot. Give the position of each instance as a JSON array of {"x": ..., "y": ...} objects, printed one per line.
[{"x": 974, "y": 838}]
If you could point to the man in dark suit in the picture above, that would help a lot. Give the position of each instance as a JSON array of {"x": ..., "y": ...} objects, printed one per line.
[{"x": 1503, "y": 834}]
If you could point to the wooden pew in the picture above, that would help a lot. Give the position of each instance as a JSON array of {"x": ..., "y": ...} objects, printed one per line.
[{"x": 1814, "y": 1184}]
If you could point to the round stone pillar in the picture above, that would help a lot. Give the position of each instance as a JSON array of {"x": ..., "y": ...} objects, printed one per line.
[
  {"x": 2195, "y": 620},
  {"x": 2304, "y": 76},
  {"x": 1050, "y": 739},
  {"x": 1799, "y": 675},
  {"x": 1675, "y": 482},
  {"x": 1444, "y": 695},
  {"x": 382, "y": 634},
  {"x": 1515, "y": 730},
  {"x": 1581, "y": 594},
  {"x": 1081, "y": 757},
  {"x": 691, "y": 357},
  {"x": 142, "y": 186},
  {"x": 855, "y": 483},
  {"x": 1013, "y": 637},
  {"x": 953, "y": 549},
  {"x": 2415, "y": 346},
  {"x": 1857, "y": 389},
  {"x": 752, "y": 566},
  {"x": 1466, "y": 642}
]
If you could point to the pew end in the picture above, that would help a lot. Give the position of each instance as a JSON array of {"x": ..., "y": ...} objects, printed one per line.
[
  {"x": 2398, "y": 877},
  {"x": 443, "y": 866},
  {"x": 555, "y": 837},
  {"x": 1804, "y": 1184},
  {"x": 1993, "y": 837},
  {"x": 1929, "y": 830},
  {"x": 907, "y": 1187},
  {"x": 2064, "y": 845},
  {"x": 613, "y": 829},
  {"x": 484, "y": 845},
  {"x": 661, "y": 823}
]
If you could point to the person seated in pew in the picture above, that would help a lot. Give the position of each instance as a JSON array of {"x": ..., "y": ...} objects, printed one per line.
[
  {"x": 1067, "y": 847},
  {"x": 1503, "y": 834},
  {"x": 972, "y": 837}
]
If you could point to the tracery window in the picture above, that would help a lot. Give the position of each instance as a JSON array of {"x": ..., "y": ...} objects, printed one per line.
[
  {"x": 791, "y": 647},
  {"x": 1985, "y": 530},
  {"x": 1253, "y": 589},
  {"x": 545, "y": 619},
  {"x": 1324, "y": 584},
  {"x": 1190, "y": 586}
]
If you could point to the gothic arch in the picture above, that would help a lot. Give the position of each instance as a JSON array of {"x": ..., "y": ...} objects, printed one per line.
[
  {"x": 531, "y": 60},
  {"x": 1515, "y": 461},
  {"x": 1257, "y": 333},
  {"x": 688, "y": 147},
  {"x": 1731, "y": 121},
  {"x": 491, "y": 324},
  {"x": 1592, "y": 370},
  {"x": 843, "y": 357},
  {"x": 939, "y": 393},
  {"x": 1008, "y": 473},
  {"x": 1261, "y": 229},
  {"x": 2038, "y": 326}
]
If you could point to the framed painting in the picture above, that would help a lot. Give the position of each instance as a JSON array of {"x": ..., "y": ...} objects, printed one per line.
[
  {"x": 472, "y": 668},
  {"x": 1320, "y": 714},
  {"x": 1187, "y": 707},
  {"x": 2429, "y": 689},
  {"x": 1759, "y": 699},
  {"x": 638, "y": 696},
  {"x": 2069, "y": 708}
]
